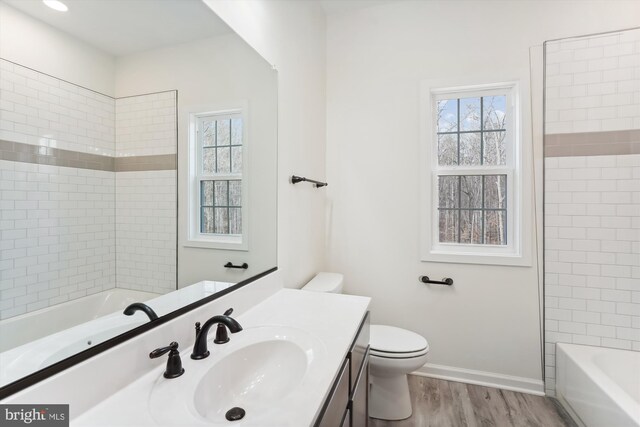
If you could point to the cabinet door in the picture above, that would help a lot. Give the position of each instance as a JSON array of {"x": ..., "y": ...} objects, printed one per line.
[
  {"x": 360, "y": 397},
  {"x": 338, "y": 401},
  {"x": 358, "y": 350}
]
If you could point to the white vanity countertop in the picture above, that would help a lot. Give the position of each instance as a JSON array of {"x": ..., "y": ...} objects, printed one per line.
[{"x": 332, "y": 320}]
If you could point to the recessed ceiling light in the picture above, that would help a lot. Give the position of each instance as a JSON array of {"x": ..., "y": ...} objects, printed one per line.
[{"x": 56, "y": 5}]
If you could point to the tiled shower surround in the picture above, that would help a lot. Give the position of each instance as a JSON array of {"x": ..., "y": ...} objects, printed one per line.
[
  {"x": 71, "y": 193},
  {"x": 592, "y": 194}
]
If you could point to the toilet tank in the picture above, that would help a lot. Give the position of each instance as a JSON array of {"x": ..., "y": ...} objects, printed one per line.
[{"x": 325, "y": 282}]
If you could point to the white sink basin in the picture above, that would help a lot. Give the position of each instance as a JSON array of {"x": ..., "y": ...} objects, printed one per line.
[
  {"x": 253, "y": 378},
  {"x": 255, "y": 371}
]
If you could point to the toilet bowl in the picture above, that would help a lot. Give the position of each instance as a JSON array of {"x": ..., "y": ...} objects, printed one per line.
[{"x": 394, "y": 353}]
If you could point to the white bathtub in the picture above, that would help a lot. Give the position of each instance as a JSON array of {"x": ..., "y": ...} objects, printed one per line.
[
  {"x": 32, "y": 341},
  {"x": 599, "y": 386},
  {"x": 29, "y": 327},
  {"x": 36, "y": 340}
]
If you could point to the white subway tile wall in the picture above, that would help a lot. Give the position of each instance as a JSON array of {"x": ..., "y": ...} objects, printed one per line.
[
  {"x": 58, "y": 235},
  {"x": 592, "y": 253},
  {"x": 42, "y": 110},
  {"x": 146, "y": 125},
  {"x": 146, "y": 201},
  {"x": 593, "y": 83},
  {"x": 146, "y": 230},
  {"x": 58, "y": 225}
]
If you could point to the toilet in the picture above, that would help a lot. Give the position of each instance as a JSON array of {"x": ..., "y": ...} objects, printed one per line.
[{"x": 394, "y": 353}]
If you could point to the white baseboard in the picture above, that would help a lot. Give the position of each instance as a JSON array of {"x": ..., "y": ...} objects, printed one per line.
[{"x": 487, "y": 379}]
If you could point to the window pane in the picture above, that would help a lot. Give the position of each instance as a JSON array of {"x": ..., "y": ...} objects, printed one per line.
[
  {"x": 235, "y": 221},
  {"x": 448, "y": 225},
  {"x": 448, "y": 192},
  {"x": 470, "y": 226},
  {"x": 208, "y": 160},
  {"x": 494, "y": 112},
  {"x": 495, "y": 228},
  {"x": 495, "y": 191},
  {"x": 447, "y": 115},
  {"x": 235, "y": 193},
  {"x": 236, "y": 131},
  {"x": 221, "y": 221},
  {"x": 209, "y": 133},
  {"x": 470, "y": 148},
  {"x": 224, "y": 132},
  {"x": 207, "y": 220},
  {"x": 206, "y": 193},
  {"x": 469, "y": 114},
  {"x": 448, "y": 149},
  {"x": 221, "y": 193},
  {"x": 224, "y": 160},
  {"x": 495, "y": 151},
  {"x": 471, "y": 191},
  {"x": 236, "y": 159}
]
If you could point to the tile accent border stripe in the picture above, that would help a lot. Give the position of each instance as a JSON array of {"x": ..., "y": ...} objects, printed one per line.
[
  {"x": 29, "y": 153},
  {"x": 617, "y": 142},
  {"x": 159, "y": 162}
]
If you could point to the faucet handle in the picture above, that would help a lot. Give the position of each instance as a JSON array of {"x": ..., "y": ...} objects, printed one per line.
[
  {"x": 222, "y": 336},
  {"x": 174, "y": 363}
]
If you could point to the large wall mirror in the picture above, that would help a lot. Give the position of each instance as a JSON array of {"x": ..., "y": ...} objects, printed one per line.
[{"x": 138, "y": 144}]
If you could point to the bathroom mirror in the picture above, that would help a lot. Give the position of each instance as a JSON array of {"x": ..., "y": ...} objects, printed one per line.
[{"x": 138, "y": 144}]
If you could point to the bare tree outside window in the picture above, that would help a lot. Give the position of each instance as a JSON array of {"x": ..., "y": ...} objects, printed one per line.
[
  {"x": 472, "y": 207},
  {"x": 221, "y": 175}
]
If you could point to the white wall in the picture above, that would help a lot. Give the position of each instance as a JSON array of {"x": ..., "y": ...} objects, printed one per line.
[
  {"x": 489, "y": 320},
  {"x": 146, "y": 200},
  {"x": 592, "y": 204},
  {"x": 593, "y": 83},
  {"x": 291, "y": 35},
  {"x": 215, "y": 74},
  {"x": 57, "y": 223},
  {"x": 36, "y": 45},
  {"x": 38, "y": 109}
]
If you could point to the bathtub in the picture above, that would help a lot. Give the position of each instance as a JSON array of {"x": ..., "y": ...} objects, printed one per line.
[
  {"x": 29, "y": 327},
  {"x": 599, "y": 386},
  {"x": 38, "y": 339}
]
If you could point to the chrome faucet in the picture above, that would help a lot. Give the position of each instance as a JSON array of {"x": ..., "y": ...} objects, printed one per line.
[
  {"x": 200, "y": 350},
  {"x": 141, "y": 307}
]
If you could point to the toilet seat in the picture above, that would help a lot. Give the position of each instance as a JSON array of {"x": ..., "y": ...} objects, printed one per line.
[{"x": 396, "y": 343}]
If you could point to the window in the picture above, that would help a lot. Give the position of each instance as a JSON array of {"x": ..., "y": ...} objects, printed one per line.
[
  {"x": 474, "y": 177},
  {"x": 218, "y": 182}
]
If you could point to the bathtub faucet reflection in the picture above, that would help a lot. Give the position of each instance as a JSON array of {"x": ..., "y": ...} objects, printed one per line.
[{"x": 142, "y": 307}]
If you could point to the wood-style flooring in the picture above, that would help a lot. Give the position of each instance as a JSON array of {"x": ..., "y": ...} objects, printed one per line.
[{"x": 439, "y": 403}]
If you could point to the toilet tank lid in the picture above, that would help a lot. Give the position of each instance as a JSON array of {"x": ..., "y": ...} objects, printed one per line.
[
  {"x": 325, "y": 282},
  {"x": 396, "y": 340}
]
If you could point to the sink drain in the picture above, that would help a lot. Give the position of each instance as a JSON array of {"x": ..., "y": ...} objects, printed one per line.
[{"x": 235, "y": 414}]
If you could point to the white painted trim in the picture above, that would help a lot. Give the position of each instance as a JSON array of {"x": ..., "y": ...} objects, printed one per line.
[
  {"x": 194, "y": 238},
  {"x": 487, "y": 379},
  {"x": 518, "y": 252}
]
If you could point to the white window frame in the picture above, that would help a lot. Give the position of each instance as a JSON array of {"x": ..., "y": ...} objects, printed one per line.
[
  {"x": 195, "y": 237},
  {"x": 432, "y": 250}
]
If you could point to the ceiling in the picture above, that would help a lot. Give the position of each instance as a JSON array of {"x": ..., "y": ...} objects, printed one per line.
[
  {"x": 341, "y": 6},
  {"x": 122, "y": 27}
]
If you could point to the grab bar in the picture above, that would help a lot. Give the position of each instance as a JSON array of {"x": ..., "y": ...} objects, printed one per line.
[
  {"x": 447, "y": 281},
  {"x": 243, "y": 266}
]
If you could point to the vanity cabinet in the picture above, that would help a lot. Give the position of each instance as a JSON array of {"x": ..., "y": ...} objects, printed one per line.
[{"x": 348, "y": 402}]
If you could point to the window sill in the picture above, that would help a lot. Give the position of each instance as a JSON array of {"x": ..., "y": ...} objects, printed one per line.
[
  {"x": 229, "y": 244},
  {"x": 460, "y": 257}
]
